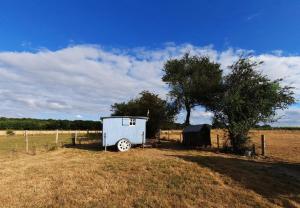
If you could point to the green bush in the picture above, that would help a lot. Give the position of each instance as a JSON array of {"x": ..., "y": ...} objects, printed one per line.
[{"x": 10, "y": 132}]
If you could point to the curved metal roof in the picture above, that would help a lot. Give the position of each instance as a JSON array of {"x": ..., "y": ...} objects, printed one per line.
[
  {"x": 135, "y": 117},
  {"x": 195, "y": 128}
]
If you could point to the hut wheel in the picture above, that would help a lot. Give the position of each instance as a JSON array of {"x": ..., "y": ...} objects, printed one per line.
[{"x": 123, "y": 145}]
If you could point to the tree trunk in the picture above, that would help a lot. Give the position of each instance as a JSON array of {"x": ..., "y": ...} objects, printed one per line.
[
  {"x": 188, "y": 114},
  {"x": 238, "y": 142}
]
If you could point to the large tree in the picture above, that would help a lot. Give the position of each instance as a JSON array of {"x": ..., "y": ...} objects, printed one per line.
[
  {"x": 160, "y": 111},
  {"x": 248, "y": 98},
  {"x": 193, "y": 80}
]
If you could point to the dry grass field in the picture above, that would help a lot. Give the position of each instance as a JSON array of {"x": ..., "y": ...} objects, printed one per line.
[
  {"x": 166, "y": 176},
  {"x": 282, "y": 145},
  {"x": 15, "y": 145}
]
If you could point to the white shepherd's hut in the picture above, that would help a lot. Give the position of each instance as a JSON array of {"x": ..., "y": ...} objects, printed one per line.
[{"x": 123, "y": 131}]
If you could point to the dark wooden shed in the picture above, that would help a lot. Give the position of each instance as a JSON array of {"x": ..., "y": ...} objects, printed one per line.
[{"x": 197, "y": 135}]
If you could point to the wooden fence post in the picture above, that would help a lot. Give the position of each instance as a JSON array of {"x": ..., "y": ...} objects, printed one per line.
[
  {"x": 75, "y": 136},
  {"x": 263, "y": 145},
  {"x": 180, "y": 137},
  {"x": 253, "y": 150},
  {"x": 218, "y": 141},
  {"x": 56, "y": 138},
  {"x": 159, "y": 135},
  {"x": 26, "y": 140}
]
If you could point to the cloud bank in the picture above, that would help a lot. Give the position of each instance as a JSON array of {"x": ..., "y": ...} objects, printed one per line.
[{"x": 82, "y": 81}]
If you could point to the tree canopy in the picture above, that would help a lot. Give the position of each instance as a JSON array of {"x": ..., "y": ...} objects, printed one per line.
[
  {"x": 193, "y": 80},
  {"x": 247, "y": 99},
  {"x": 160, "y": 111}
]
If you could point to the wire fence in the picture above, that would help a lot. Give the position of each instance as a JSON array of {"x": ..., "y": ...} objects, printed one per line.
[
  {"x": 31, "y": 142},
  {"x": 279, "y": 144}
]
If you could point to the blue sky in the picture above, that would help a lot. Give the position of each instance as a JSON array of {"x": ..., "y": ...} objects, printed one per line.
[
  {"x": 262, "y": 26},
  {"x": 54, "y": 55}
]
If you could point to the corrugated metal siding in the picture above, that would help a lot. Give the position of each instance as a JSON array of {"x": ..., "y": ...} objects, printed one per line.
[
  {"x": 197, "y": 135},
  {"x": 114, "y": 130}
]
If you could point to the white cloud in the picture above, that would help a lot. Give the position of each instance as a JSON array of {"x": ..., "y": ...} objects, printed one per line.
[
  {"x": 199, "y": 115},
  {"x": 78, "y": 116},
  {"x": 87, "y": 79},
  {"x": 290, "y": 117}
]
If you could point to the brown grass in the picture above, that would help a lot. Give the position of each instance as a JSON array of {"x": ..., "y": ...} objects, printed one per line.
[
  {"x": 165, "y": 177},
  {"x": 283, "y": 145}
]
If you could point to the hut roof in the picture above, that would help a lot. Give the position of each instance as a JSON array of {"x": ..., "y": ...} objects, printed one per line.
[
  {"x": 195, "y": 128},
  {"x": 134, "y": 117}
]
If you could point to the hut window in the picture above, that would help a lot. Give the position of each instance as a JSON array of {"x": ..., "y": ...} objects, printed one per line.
[
  {"x": 125, "y": 121},
  {"x": 132, "y": 122}
]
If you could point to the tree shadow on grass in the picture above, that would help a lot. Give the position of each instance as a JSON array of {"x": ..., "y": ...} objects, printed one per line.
[
  {"x": 162, "y": 145},
  {"x": 176, "y": 145},
  {"x": 278, "y": 182},
  {"x": 87, "y": 146}
]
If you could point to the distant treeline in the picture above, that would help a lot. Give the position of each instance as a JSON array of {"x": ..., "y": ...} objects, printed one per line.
[
  {"x": 178, "y": 126},
  {"x": 47, "y": 124},
  {"x": 51, "y": 124},
  {"x": 268, "y": 127}
]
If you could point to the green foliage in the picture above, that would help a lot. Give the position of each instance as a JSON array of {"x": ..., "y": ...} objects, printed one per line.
[
  {"x": 10, "y": 132},
  {"x": 50, "y": 124},
  {"x": 193, "y": 80},
  {"x": 247, "y": 99},
  {"x": 161, "y": 113},
  {"x": 172, "y": 126}
]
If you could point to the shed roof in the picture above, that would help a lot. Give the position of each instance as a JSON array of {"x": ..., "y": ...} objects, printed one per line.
[
  {"x": 195, "y": 128},
  {"x": 135, "y": 117}
]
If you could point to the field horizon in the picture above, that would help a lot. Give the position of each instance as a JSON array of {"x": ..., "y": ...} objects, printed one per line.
[{"x": 166, "y": 176}]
